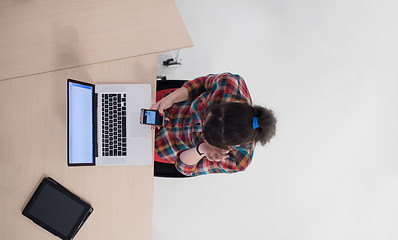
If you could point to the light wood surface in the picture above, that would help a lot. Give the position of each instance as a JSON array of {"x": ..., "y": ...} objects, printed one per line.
[
  {"x": 39, "y": 36},
  {"x": 33, "y": 145}
]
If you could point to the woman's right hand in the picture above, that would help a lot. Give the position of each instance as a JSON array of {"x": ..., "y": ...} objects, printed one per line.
[
  {"x": 163, "y": 104},
  {"x": 178, "y": 95}
]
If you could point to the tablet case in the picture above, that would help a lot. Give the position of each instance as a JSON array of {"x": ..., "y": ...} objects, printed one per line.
[{"x": 44, "y": 208}]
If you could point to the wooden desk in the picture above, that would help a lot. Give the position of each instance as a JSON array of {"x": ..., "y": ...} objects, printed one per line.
[
  {"x": 39, "y": 36},
  {"x": 33, "y": 145},
  {"x": 42, "y": 43}
]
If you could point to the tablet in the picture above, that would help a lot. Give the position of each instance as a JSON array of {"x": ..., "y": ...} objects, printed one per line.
[{"x": 57, "y": 210}]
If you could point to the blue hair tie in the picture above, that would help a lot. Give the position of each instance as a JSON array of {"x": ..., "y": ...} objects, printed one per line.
[{"x": 255, "y": 123}]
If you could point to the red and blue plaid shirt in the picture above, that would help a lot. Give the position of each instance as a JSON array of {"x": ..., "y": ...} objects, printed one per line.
[{"x": 184, "y": 130}]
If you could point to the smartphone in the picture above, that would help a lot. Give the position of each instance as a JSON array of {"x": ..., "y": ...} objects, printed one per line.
[{"x": 151, "y": 117}]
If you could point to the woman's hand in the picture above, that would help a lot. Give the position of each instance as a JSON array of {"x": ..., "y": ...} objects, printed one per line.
[
  {"x": 213, "y": 153},
  {"x": 179, "y": 95},
  {"x": 163, "y": 104}
]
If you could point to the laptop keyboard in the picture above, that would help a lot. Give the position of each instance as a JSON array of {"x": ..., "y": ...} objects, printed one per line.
[{"x": 114, "y": 125}]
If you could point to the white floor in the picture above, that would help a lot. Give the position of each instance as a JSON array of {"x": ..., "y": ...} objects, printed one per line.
[{"x": 329, "y": 71}]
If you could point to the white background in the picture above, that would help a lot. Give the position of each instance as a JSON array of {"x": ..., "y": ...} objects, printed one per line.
[{"x": 329, "y": 71}]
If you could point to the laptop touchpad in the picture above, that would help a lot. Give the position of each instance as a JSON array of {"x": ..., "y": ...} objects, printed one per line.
[{"x": 136, "y": 128}]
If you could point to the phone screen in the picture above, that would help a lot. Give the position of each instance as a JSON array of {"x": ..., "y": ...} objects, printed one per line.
[{"x": 152, "y": 117}]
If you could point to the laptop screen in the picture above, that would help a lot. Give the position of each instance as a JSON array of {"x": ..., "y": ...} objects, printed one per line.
[{"x": 80, "y": 123}]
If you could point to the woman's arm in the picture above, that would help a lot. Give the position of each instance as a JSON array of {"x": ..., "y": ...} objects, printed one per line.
[
  {"x": 218, "y": 84},
  {"x": 192, "y": 157},
  {"x": 238, "y": 160},
  {"x": 225, "y": 83},
  {"x": 178, "y": 95}
]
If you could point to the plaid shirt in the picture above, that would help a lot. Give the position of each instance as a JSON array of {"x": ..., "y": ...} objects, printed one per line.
[{"x": 184, "y": 130}]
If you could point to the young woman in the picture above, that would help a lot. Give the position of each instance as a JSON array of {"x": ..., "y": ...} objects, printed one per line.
[{"x": 212, "y": 126}]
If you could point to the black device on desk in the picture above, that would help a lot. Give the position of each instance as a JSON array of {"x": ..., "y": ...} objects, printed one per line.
[{"x": 57, "y": 210}]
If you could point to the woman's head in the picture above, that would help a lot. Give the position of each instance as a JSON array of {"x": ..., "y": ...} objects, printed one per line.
[{"x": 230, "y": 124}]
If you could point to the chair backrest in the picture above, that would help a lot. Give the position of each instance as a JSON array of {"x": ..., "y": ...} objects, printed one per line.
[
  {"x": 165, "y": 169},
  {"x": 167, "y": 84}
]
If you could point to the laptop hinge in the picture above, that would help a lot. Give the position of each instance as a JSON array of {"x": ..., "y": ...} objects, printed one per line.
[{"x": 95, "y": 123}]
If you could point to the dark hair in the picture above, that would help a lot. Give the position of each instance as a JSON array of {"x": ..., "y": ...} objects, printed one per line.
[{"x": 229, "y": 124}]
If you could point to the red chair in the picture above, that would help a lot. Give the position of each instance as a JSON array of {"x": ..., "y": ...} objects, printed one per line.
[{"x": 161, "y": 167}]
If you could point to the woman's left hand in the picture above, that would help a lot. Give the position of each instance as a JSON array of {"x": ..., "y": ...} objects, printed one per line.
[{"x": 213, "y": 153}]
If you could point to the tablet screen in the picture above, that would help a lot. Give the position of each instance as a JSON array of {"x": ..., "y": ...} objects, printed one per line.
[{"x": 56, "y": 209}]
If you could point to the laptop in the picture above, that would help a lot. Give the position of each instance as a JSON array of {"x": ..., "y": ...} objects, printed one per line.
[{"x": 104, "y": 124}]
